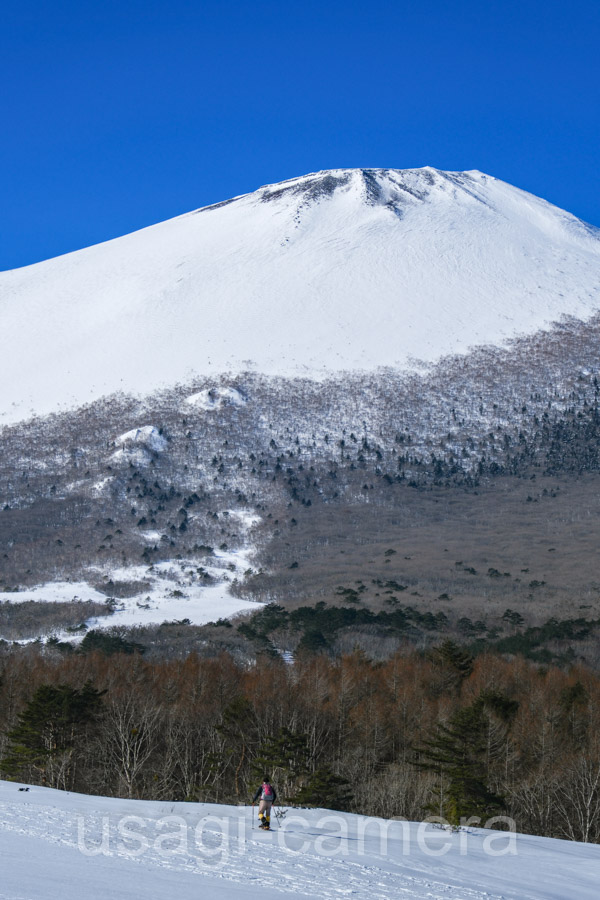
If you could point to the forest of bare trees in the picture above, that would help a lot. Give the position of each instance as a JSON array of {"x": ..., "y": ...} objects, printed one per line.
[{"x": 391, "y": 738}]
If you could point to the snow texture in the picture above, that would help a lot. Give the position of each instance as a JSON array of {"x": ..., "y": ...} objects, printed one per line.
[
  {"x": 351, "y": 269},
  {"x": 174, "y": 590},
  {"x": 148, "y": 436},
  {"x": 216, "y": 398},
  {"x": 139, "y": 446},
  {"x": 63, "y": 846}
]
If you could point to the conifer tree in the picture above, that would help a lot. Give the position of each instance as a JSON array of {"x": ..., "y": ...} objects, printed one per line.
[
  {"x": 325, "y": 789},
  {"x": 44, "y": 741},
  {"x": 287, "y": 757},
  {"x": 457, "y": 754}
]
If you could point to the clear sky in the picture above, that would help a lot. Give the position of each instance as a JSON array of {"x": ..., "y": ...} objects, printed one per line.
[{"x": 120, "y": 113}]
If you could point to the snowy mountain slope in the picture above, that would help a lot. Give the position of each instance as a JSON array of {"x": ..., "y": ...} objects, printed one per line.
[
  {"x": 51, "y": 840},
  {"x": 339, "y": 270}
]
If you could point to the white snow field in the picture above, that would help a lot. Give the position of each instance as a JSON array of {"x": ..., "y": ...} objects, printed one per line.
[
  {"x": 174, "y": 591},
  {"x": 62, "y": 846},
  {"x": 350, "y": 269}
]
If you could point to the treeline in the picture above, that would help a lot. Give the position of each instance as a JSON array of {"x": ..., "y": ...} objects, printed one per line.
[
  {"x": 318, "y": 628},
  {"x": 441, "y": 733}
]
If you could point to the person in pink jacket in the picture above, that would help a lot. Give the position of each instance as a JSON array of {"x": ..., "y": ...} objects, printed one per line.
[{"x": 267, "y": 795}]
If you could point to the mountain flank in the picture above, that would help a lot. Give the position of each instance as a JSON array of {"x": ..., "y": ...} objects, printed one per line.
[{"x": 371, "y": 389}]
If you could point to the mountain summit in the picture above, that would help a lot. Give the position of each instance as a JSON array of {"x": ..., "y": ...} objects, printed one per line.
[{"x": 348, "y": 269}]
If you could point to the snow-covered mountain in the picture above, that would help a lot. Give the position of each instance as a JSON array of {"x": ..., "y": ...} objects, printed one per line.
[
  {"x": 334, "y": 271},
  {"x": 62, "y": 845}
]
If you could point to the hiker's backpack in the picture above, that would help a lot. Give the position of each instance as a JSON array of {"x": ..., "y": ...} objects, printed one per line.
[{"x": 267, "y": 791}]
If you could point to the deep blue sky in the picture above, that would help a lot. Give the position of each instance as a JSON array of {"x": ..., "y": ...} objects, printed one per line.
[{"x": 122, "y": 113}]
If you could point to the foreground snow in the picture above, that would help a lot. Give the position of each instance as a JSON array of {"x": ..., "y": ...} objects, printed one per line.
[
  {"x": 341, "y": 270},
  {"x": 60, "y": 846}
]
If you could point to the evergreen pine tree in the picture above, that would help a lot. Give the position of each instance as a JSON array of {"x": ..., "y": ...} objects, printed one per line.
[
  {"x": 457, "y": 754},
  {"x": 44, "y": 742},
  {"x": 287, "y": 757},
  {"x": 238, "y": 730},
  {"x": 326, "y": 789}
]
